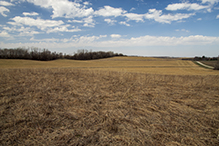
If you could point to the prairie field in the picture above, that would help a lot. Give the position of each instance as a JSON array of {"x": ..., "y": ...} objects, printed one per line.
[
  {"x": 115, "y": 101},
  {"x": 147, "y": 65}
]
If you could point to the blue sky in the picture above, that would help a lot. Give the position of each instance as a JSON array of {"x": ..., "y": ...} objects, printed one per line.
[{"x": 179, "y": 28}]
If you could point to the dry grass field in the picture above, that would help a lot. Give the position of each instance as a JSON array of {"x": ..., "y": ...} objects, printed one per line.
[
  {"x": 116, "y": 101},
  {"x": 147, "y": 65}
]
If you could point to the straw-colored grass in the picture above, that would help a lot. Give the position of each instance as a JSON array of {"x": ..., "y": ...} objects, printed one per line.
[
  {"x": 123, "y": 64},
  {"x": 68, "y": 106}
]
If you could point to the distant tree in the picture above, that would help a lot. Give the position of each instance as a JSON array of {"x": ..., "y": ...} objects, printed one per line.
[
  {"x": 203, "y": 58},
  {"x": 197, "y": 58},
  {"x": 89, "y": 55}
]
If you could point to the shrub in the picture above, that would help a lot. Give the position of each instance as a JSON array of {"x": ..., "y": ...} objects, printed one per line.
[{"x": 216, "y": 67}]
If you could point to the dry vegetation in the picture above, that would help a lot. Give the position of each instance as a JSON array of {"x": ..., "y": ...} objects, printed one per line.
[
  {"x": 87, "y": 107},
  {"x": 122, "y": 64},
  {"x": 210, "y": 63}
]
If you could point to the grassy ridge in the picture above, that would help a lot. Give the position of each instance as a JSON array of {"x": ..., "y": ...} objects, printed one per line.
[
  {"x": 127, "y": 64},
  {"x": 76, "y": 107}
]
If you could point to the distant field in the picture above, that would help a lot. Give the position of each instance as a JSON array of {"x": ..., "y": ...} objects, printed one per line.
[
  {"x": 124, "y": 64},
  {"x": 210, "y": 63}
]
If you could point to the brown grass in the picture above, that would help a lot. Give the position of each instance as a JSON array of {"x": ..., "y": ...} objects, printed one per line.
[
  {"x": 87, "y": 107},
  {"x": 147, "y": 65}
]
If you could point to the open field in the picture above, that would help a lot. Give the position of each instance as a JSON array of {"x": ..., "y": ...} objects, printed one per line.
[
  {"x": 124, "y": 64},
  {"x": 66, "y": 102},
  {"x": 210, "y": 63}
]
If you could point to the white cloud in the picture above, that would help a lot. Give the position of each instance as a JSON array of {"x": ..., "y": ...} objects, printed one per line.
[
  {"x": 12, "y": 29},
  {"x": 160, "y": 41},
  {"x": 86, "y": 3},
  {"x": 87, "y": 39},
  {"x": 217, "y": 16},
  {"x": 73, "y": 40},
  {"x": 62, "y": 29},
  {"x": 89, "y": 22},
  {"x": 110, "y": 11},
  {"x": 39, "y": 23},
  {"x": 153, "y": 13},
  {"x": 28, "y": 33},
  {"x": 3, "y": 10},
  {"x": 199, "y": 19},
  {"x": 30, "y": 14},
  {"x": 169, "y": 18},
  {"x": 76, "y": 21},
  {"x": 24, "y": 31},
  {"x": 185, "y": 6},
  {"x": 184, "y": 30},
  {"x": 210, "y": 1},
  {"x": 110, "y": 21},
  {"x": 103, "y": 36},
  {"x": 7, "y": 28},
  {"x": 69, "y": 9},
  {"x": 64, "y": 8},
  {"x": 115, "y": 36},
  {"x": 78, "y": 1},
  {"x": 132, "y": 9},
  {"x": 142, "y": 41},
  {"x": 4, "y": 34},
  {"x": 166, "y": 18},
  {"x": 4, "y": 3},
  {"x": 124, "y": 23},
  {"x": 133, "y": 16}
]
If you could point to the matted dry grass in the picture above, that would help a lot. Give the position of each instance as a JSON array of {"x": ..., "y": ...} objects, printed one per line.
[{"x": 87, "y": 107}]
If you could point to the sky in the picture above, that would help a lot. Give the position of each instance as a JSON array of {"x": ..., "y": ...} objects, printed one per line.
[{"x": 175, "y": 28}]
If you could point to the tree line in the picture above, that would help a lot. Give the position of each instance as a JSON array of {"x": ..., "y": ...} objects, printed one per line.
[
  {"x": 203, "y": 58},
  {"x": 89, "y": 55},
  {"x": 46, "y": 55}
]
